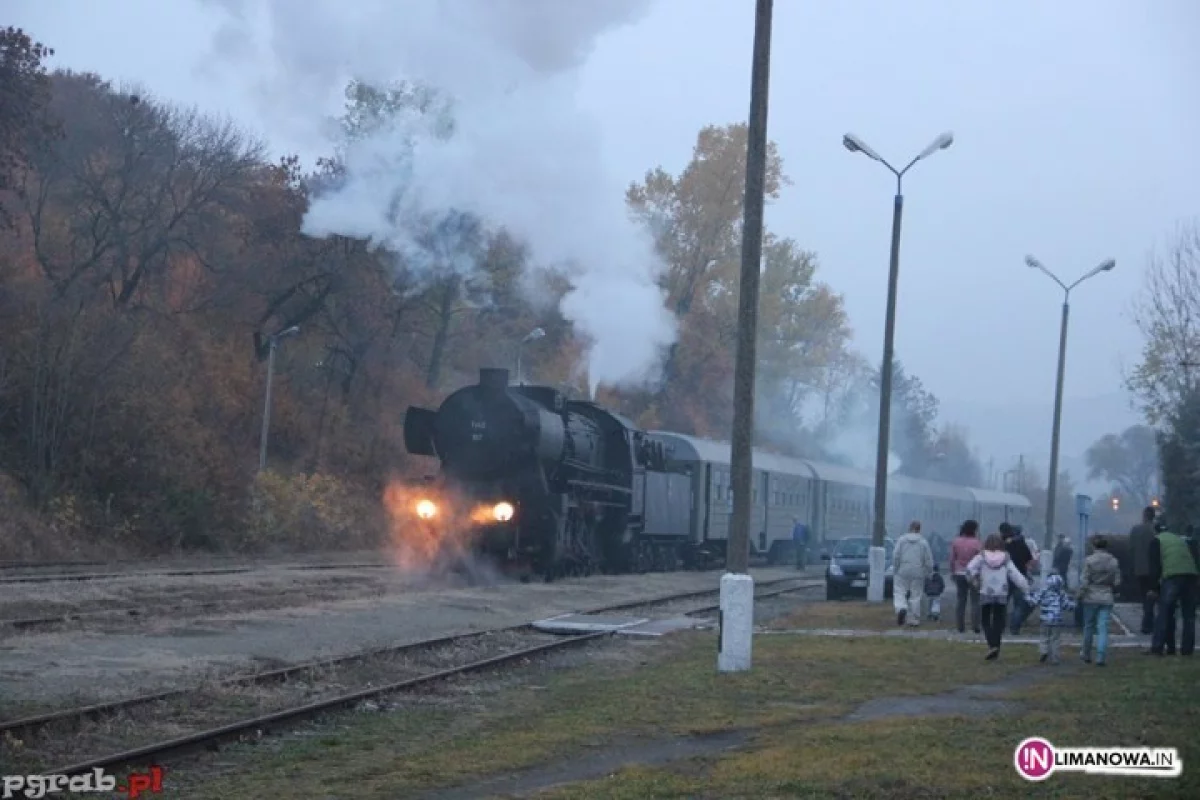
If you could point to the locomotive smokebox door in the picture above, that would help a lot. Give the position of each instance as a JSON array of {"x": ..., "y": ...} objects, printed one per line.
[{"x": 418, "y": 431}]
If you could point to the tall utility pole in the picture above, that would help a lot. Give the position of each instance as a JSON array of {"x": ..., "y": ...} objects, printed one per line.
[
  {"x": 272, "y": 344},
  {"x": 737, "y": 587},
  {"x": 1052, "y": 487},
  {"x": 877, "y": 555}
]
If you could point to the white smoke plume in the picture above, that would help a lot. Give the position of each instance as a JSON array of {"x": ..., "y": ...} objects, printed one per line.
[
  {"x": 858, "y": 443},
  {"x": 522, "y": 155}
]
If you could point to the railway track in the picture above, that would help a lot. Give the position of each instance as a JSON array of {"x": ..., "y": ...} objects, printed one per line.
[
  {"x": 178, "y": 573},
  {"x": 217, "y": 712}
]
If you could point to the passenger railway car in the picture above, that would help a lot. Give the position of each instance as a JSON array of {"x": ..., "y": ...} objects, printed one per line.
[
  {"x": 834, "y": 501},
  {"x": 563, "y": 486}
]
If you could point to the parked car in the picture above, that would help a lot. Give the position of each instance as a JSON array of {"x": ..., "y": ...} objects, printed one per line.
[{"x": 847, "y": 571}]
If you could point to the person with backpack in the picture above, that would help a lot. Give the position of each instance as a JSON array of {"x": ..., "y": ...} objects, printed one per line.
[
  {"x": 1097, "y": 594},
  {"x": 991, "y": 572},
  {"x": 964, "y": 548},
  {"x": 912, "y": 561}
]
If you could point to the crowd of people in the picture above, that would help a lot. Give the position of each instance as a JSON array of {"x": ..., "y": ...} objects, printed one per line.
[{"x": 998, "y": 585}]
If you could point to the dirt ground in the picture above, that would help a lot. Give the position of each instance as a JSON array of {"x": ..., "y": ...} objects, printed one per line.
[{"x": 92, "y": 664}]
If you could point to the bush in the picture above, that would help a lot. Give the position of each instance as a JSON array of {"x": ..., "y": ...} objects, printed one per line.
[{"x": 309, "y": 512}]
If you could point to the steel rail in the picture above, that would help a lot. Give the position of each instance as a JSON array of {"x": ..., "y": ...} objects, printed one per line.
[
  {"x": 258, "y": 724},
  {"x": 24, "y": 725}
]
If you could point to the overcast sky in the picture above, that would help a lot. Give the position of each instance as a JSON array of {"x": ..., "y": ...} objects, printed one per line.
[{"x": 1075, "y": 139}]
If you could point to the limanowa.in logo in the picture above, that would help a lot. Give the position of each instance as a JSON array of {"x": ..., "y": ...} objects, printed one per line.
[{"x": 1036, "y": 759}]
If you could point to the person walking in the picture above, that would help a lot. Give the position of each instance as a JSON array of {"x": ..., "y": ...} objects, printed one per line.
[
  {"x": 1097, "y": 593},
  {"x": 992, "y": 571},
  {"x": 964, "y": 548},
  {"x": 1173, "y": 570},
  {"x": 1061, "y": 560},
  {"x": 1140, "y": 536},
  {"x": 800, "y": 543},
  {"x": 1017, "y": 547},
  {"x": 934, "y": 586},
  {"x": 912, "y": 561},
  {"x": 1054, "y": 602}
]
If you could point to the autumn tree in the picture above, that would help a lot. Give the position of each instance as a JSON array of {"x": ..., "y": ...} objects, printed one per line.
[
  {"x": 24, "y": 94},
  {"x": 953, "y": 460},
  {"x": 1128, "y": 461},
  {"x": 1168, "y": 316},
  {"x": 696, "y": 221}
]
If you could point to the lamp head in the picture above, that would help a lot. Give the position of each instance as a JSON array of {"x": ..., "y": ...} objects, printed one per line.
[
  {"x": 1033, "y": 263},
  {"x": 940, "y": 143},
  {"x": 857, "y": 145}
]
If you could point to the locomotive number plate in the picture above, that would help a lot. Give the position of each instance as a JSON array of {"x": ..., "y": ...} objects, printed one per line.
[{"x": 858, "y": 584}]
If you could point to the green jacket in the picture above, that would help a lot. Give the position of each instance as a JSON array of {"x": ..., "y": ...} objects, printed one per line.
[{"x": 1172, "y": 555}]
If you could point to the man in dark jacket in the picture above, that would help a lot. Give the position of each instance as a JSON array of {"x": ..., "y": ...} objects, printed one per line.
[
  {"x": 1062, "y": 556},
  {"x": 1018, "y": 551},
  {"x": 1140, "y": 536},
  {"x": 1174, "y": 569},
  {"x": 800, "y": 543}
]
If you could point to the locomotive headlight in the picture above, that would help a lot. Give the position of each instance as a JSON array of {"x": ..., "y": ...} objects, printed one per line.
[
  {"x": 503, "y": 512},
  {"x": 426, "y": 509}
]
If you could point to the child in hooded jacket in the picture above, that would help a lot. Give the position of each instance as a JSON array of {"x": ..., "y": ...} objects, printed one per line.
[
  {"x": 1054, "y": 602},
  {"x": 935, "y": 584},
  {"x": 992, "y": 571}
]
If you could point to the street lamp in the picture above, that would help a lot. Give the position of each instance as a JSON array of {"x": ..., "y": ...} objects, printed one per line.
[
  {"x": 1052, "y": 489},
  {"x": 532, "y": 336},
  {"x": 272, "y": 343},
  {"x": 856, "y": 145}
]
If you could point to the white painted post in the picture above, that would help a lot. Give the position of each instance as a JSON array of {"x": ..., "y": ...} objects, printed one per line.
[
  {"x": 876, "y": 563},
  {"x": 737, "y": 622}
]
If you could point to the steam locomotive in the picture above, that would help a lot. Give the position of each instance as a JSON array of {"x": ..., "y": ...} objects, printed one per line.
[{"x": 555, "y": 486}]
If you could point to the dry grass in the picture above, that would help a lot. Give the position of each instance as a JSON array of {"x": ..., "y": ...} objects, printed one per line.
[
  {"x": 796, "y": 681},
  {"x": 1137, "y": 702}
]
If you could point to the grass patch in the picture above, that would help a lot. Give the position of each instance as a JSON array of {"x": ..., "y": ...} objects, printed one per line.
[
  {"x": 796, "y": 681},
  {"x": 863, "y": 616},
  {"x": 1134, "y": 702}
]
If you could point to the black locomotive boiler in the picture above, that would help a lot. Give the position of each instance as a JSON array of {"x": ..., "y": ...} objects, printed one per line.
[{"x": 550, "y": 484}]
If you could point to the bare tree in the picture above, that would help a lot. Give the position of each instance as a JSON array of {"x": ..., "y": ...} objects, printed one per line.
[{"x": 1168, "y": 316}]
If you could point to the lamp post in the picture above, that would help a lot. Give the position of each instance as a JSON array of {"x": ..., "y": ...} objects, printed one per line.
[
  {"x": 272, "y": 343},
  {"x": 532, "y": 336},
  {"x": 856, "y": 145},
  {"x": 1052, "y": 488}
]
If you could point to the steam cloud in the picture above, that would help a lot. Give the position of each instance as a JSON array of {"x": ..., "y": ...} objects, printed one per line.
[{"x": 522, "y": 154}]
